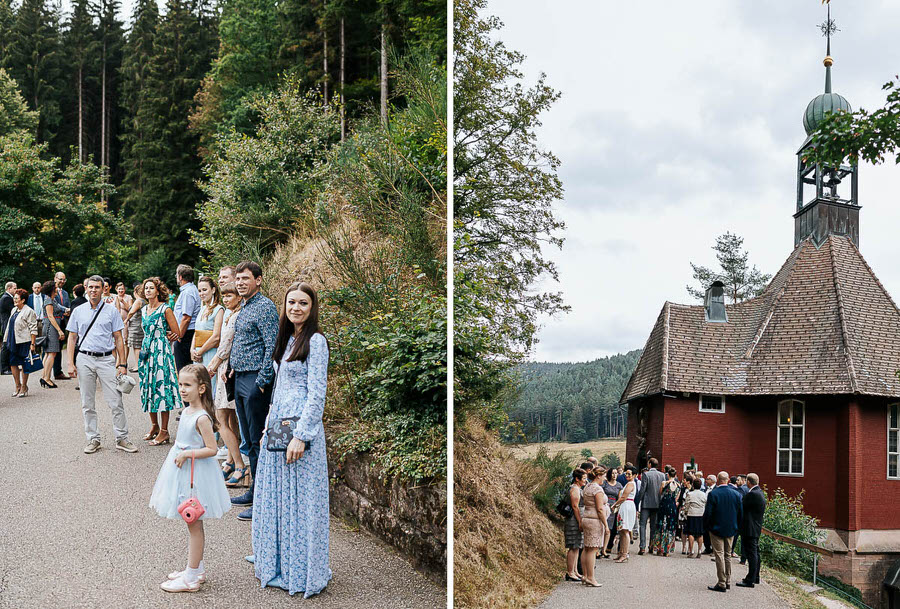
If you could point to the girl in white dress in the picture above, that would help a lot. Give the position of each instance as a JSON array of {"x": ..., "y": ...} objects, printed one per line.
[{"x": 195, "y": 442}]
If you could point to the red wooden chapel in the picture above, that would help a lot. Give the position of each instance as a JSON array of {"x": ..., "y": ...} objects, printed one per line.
[{"x": 799, "y": 384}]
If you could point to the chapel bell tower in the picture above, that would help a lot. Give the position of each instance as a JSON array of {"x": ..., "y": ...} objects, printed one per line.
[{"x": 828, "y": 212}]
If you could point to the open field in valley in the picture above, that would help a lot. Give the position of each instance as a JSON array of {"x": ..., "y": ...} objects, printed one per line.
[{"x": 597, "y": 447}]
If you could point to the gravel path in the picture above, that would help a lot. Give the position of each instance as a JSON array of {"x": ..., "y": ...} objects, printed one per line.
[
  {"x": 77, "y": 532},
  {"x": 673, "y": 582}
]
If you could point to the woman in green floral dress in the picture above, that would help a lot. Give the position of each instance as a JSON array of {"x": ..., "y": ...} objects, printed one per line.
[{"x": 159, "y": 379}]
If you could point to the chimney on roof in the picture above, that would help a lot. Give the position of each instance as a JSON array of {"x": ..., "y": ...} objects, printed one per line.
[{"x": 714, "y": 302}]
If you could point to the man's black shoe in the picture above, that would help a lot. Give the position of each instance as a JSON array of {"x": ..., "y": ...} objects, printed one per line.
[
  {"x": 728, "y": 586},
  {"x": 743, "y": 584},
  {"x": 716, "y": 588},
  {"x": 707, "y": 551},
  {"x": 743, "y": 562},
  {"x": 245, "y": 499},
  {"x": 757, "y": 581}
]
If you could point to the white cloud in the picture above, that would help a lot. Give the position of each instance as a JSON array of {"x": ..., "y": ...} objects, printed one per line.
[{"x": 677, "y": 122}]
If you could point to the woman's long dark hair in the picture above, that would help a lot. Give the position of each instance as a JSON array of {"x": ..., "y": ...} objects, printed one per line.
[{"x": 286, "y": 326}]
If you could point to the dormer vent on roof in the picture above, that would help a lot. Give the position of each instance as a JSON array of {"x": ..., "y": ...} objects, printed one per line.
[{"x": 714, "y": 302}]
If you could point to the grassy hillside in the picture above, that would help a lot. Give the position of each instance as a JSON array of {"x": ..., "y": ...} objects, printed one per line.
[{"x": 507, "y": 554}]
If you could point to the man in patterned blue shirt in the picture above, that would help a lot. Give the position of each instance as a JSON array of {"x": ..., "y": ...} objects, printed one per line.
[{"x": 255, "y": 330}]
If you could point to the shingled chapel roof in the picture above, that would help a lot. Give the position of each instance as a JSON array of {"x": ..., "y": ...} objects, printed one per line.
[{"x": 824, "y": 325}]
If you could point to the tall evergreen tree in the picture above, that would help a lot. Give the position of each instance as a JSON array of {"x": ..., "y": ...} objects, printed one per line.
[
  {"x": 163, "y": 214},
  {"x": 110, "y": 43},
  {"x": 134, "y": 92},
  {"x": 35, "y": 63},
  {"x": 7, "y": 23},
  {"x": 80, "y": 43}
]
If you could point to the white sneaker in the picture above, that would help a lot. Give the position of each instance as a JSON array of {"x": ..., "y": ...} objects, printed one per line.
[
  {"x": 223, "y": 453},
  {"x": 176, "y": 574},
  {"x": 179, "y": 585}
]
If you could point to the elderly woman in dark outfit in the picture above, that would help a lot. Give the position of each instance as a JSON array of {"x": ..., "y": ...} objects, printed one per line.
[
  {"x": 53, "y": 333},
  {"x": 18, "y": 336}
]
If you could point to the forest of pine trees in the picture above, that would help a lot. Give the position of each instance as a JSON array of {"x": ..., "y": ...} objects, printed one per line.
[
  {"x": 145, "y": 97},
  {"x": 573, "y": 402}
]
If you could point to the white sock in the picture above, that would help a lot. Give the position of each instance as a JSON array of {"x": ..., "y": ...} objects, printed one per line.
[{"x": 191, "y": 575}]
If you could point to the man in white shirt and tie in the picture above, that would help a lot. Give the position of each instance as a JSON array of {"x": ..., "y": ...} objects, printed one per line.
[{"x": 101, "y": 356}]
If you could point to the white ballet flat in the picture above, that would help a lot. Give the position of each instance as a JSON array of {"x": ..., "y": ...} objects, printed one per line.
[
  {"x": 176, "y": 574},
  {"x": 179, "y": 585}
]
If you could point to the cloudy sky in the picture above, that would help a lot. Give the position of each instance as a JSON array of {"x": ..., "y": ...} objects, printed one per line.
[{"x": 679, "y": 121}]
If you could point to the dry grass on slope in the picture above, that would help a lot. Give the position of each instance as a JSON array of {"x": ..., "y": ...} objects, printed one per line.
[{"x": 506, "y": 552}]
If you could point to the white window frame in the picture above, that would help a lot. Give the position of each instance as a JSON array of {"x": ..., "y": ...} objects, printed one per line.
[
  {"x": 892, "y": 430},
  {"x": 702, "y": 409},
  {"x": 778, "y": 427}
]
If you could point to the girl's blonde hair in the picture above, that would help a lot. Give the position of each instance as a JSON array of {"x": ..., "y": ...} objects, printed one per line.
[
  {"x": 216, "y": 295},
  {"x": 201, "y": 375}
]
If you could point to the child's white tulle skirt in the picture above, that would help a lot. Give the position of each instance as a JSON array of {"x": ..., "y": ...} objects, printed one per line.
[{"x": 173, "y": 486}]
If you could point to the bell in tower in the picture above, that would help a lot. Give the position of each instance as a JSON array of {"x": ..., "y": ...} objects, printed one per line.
[{"x": 834, "y": 210}]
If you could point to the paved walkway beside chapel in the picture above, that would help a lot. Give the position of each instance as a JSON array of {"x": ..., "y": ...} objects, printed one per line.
[
  {"x": 675, "y": 582},
  {"x": 76, "y": 531}
]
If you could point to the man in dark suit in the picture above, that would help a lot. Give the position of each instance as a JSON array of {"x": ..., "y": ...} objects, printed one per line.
[
  {"x": 6, "y": 307},
  {"x": 722, "y": 518},
  {"x": 754, "y": 507}
]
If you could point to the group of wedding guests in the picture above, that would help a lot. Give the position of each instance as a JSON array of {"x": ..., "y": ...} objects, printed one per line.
[
  {"x": 223, "y": 354},
  {"x": 603, "y": 505}
]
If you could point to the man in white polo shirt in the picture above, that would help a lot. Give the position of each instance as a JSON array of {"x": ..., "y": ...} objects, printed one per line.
[{"x": 96, "y": 345}]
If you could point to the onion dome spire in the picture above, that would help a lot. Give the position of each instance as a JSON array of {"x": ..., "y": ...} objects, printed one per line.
[{"x": 828, "y": 101}]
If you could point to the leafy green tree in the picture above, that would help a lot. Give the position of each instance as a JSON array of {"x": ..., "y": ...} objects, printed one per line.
[
  {"x": 247, "y": 64},
  {"x": 505, "y": 188},
  {"x": 40, "y": 201},
  {"x": 866, "y": 135},
  {"x": 741, "y": 280},
  {"x": 35, "y": 62},
  {"x": 14, "y": 112},
  {"x": 258, "y": 185}
]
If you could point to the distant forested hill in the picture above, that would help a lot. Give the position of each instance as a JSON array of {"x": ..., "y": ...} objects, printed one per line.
[{"x": 572, "y": 402}]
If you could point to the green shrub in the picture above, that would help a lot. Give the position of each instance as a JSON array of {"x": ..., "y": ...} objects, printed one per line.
[
  {"x": 558, "y": 472},
  {"x": 586, "y": 453},
  {"x": 785, "y": 515},
  {"x": 610, "y": 460},
  {"x": 578, "y": 435}
]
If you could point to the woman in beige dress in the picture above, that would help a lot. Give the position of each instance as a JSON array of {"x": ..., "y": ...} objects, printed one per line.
[
  {"x": 594, "y": 527},
  {"x": 234, "y": 468}
]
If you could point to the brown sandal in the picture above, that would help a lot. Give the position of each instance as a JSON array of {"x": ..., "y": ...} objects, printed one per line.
[
  {"x": 159, "y": 442},
  {"x": 152, "y": 434}
]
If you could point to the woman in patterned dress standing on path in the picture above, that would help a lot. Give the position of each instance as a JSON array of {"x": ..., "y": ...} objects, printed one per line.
[
  {"x": 290, "y": 503},
  {"x": 159, "y": 380}
]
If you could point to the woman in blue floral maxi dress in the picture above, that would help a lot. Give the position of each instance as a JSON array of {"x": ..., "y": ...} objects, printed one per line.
[{"x": 290, "y": 502}]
